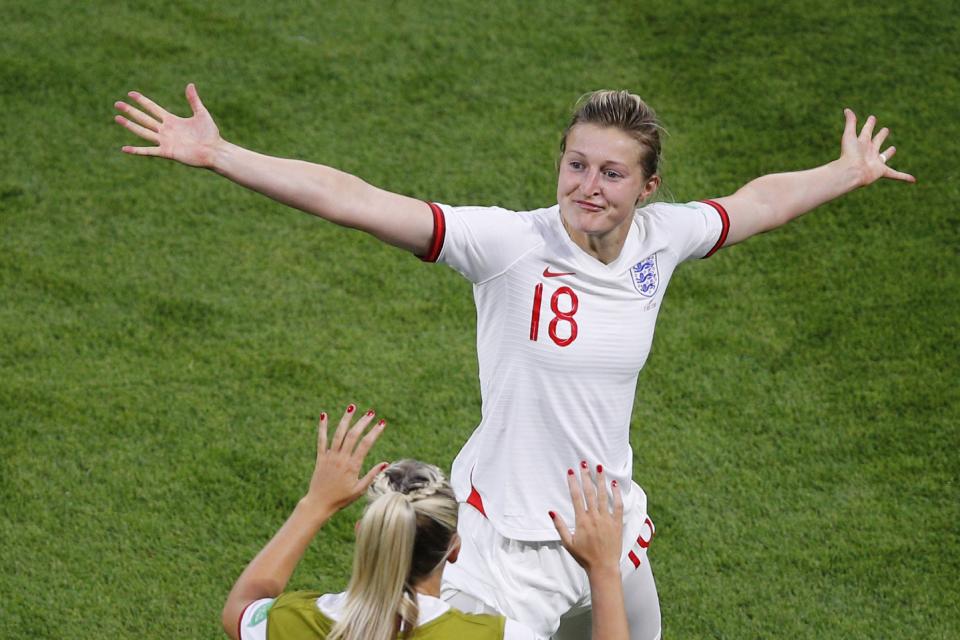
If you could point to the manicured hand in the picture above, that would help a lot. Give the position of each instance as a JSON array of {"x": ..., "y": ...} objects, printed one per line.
[
  {"x": 596, "y": 540},
  {"x": 192, "y": 141},
  {"x": 863, "y": 151},
  {"x": 336, "y": 480}
]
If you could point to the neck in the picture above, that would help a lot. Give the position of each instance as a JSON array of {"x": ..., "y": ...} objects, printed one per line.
[
  {"x": 430, "y": 586},
  {"x": 605, "y": 248}
]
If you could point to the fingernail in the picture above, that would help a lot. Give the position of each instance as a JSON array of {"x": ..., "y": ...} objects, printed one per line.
[
  {"x": 583, "y": 464},
  {"x": 569, "y": 472},
  {"x": 351, "y": 408},
  {"x": 382, "y": 423},
  {"x": 384, "y": 466},
  {"x": 323, "y": 416},
  {"x": 552, "y": 515},
  {"x": 613, "y": 483},
  {"x": 370, "y": 412},
  {"x": 599, "y": 468}
]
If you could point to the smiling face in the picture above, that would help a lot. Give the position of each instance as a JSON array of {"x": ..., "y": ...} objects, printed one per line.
[{"x": 600, "y": 183}]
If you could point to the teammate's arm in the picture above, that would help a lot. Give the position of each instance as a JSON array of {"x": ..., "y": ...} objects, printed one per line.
[
  {"x": 773, "y": 200},
  {"x": 336, "y": 482},
  {"x": 316, "y": 189},
  {"x": 596, "y": 544}
]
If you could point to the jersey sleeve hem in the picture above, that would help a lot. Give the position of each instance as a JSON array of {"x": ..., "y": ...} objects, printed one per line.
[
  {"x": 724, "y": 229},
  {"x": 439, "y": 232}
]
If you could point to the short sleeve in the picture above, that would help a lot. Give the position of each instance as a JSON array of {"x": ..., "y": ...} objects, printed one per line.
[
  {"x": 513, "y": 630},
  {"x": 694, "y": 229},
  {"x": 253, "y": 621},
  {"x": 482, "y": 242}
]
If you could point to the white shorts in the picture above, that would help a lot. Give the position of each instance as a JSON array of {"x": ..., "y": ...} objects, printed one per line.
[{"x": 541, "y": 585}]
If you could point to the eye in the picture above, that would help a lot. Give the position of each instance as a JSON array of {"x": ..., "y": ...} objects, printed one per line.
[
  {"x": 576, "y": 165},
  {"x": 613, "y": 175}
]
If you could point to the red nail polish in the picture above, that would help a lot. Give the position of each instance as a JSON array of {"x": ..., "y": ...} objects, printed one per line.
[
  {"x": 351, "y": 408},
  {"x": 569, "y": 472},
  {"x": 599, "y": 468},
  {"x": 382, "y": 423},
  {"x": 552, "y": 515},
  {"x": 370, "y": 413},
  {"x": 583, "y": 464},
  {"x": 323, "y": 416},
  {"x": 613, "y": 484}
]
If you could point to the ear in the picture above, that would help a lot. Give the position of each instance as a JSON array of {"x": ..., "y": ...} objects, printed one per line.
[
  {"x": 649, "y": 189},
  {"x": 455, "y": 551}
]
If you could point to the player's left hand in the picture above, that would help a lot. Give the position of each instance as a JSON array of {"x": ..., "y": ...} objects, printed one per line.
[
  {"x": 863, "y": 151},
  {"x": 336, "y": 480},
  {"x": 597, "y": 538}
]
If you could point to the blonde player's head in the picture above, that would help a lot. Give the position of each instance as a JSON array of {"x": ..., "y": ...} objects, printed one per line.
[
  {"x": 407, "y": 532},
  {"x": 624, "y": 111}
]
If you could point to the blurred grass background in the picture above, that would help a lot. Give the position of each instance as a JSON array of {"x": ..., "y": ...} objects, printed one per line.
[{"x": 168, "y": 339}]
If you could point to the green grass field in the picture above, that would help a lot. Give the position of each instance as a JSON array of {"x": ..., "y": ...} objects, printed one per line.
[{"x": 167, "y": 339}]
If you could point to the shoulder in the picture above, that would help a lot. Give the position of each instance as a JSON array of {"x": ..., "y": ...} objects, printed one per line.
[
  {"x": 664, "y": 211},
  {"x": 295, "y": 616},
  {"x": 475, "y": 626},
  {"x": 495, "y": 214}
]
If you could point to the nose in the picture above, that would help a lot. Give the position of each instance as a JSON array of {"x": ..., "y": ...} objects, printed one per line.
[{"x": 591, "y": 182}]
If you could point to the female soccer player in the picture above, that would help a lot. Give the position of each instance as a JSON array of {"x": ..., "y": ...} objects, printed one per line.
[
  {"x": 405, "y": 538},
  {"x": 567, "y": 298}
]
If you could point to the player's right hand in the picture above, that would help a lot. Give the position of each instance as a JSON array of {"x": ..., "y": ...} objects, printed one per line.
[
  {"x": 597, "y": 537},
  {"x": 192, "y": 141}
]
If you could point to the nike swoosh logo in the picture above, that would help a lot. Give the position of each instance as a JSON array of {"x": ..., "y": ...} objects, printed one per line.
[{"x": 553, "y": 274}]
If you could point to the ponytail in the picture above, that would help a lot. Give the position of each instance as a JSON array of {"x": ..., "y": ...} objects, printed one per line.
[{"x": 404, "y": 535}]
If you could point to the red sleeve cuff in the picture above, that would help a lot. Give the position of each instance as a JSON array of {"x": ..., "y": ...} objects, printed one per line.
[
  {"x": 439, "y": 232},
  {"x": 725, "y": 228}
]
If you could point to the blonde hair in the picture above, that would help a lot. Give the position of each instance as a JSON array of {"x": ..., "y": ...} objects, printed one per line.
[
  {"x": 406, "y": 533},
  {"x": 625, "y": 111}
]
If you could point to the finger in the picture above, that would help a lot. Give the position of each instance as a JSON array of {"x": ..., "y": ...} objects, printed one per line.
[
  {"x": 193, "y": 98},
  {"x": 562, "y": 530},
  {"x": 368, "y": 479},
  {"x": 576, "y": 494},
  {"x": 893, "y": 174},
  {"x": 142, "y": 151},
  {"x": 867, "y": 132},
  {"x": 342, "y": 428},
  {"x": 137, "y": 115},
  {"x": 589, "y": 489},
  {"x": 150, "y": 106},
  {"x": 368, "y": 440},
  {"x": 850, "y": 125},
  {"x": 880, "y": 137},
  {"x": 322, "y": 433},
  {"x": 602, "y": 503},
  {"x": 143, "y": 132},
  {"x": 350, "y": 441},
  {"x": 889, "y": 153},
  {"x": 617, "y": 501}
]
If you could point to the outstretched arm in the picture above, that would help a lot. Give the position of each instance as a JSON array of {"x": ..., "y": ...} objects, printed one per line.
[
  {"x": 316, "y": 189},
  {"x": 336, "y": 482},
  {"x": 773, "y": 200},
  {"x": 596, "y": 544}
]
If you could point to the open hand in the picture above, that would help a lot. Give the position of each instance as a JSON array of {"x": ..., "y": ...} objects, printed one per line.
[
  {"x": 192, "y": 141},
  {"x": 336, "y": 480},
  {"x": 863, "y": 151},
  {"x": 597, "y": 538}
]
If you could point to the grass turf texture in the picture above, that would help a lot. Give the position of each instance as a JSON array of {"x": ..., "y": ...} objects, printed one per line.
[{"x": 168, "y": 339}]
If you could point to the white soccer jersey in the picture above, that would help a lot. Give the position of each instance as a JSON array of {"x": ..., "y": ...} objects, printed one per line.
[{"x": 561, "y": 338}]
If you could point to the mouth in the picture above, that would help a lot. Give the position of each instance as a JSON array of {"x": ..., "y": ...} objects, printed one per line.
[{"x": 588, "y": 206}]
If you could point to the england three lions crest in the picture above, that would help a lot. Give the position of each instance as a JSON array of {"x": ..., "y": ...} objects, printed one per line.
[{"x": 646, "y": 277}]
